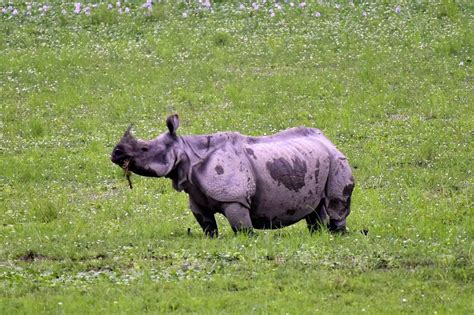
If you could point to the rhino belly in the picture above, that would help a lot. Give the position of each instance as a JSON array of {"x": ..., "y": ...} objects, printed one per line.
[
  {"x": 275, "y": 211},
  {"x": 275, "y": 205}
]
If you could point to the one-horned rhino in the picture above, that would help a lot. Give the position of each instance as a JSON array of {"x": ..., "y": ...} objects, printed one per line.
[{"x": 255, "y": 182}]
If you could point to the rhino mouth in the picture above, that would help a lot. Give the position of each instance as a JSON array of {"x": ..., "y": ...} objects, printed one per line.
[
  {"x": 119, "y": 157},
  {"x": 119, "y": 161},
  {"x": 127, "y": 173},
  {"x": 125, "y": 162}
]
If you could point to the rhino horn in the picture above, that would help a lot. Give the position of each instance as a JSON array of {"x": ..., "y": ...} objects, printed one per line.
[{"x": 128, "y": 131}]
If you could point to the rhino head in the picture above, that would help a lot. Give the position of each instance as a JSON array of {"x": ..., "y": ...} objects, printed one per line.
[{"x": 153, "y": 158}]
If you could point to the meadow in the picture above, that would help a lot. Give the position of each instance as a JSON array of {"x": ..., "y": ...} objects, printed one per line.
[{"x": 390, "y": 83}]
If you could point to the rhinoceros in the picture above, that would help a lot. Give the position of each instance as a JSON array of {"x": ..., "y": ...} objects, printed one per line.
[{"x": 265, "y": 182}]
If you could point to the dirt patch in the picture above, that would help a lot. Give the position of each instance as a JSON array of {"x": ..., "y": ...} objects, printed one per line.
[{"x": 31, "y": 256}]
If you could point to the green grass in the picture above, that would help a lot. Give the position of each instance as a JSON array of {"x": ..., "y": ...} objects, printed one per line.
[{"x": 394, "y": 91}]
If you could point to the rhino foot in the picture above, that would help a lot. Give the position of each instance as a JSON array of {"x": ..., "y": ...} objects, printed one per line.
[
  {"x": 248, "y": 231},
  {"x": 211, "y": 233}
]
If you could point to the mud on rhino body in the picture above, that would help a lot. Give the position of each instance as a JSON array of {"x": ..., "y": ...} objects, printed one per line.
[{"x": 255, "y": 182}]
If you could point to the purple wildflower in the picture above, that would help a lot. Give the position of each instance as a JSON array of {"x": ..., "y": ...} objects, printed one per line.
[
  {"x": 4, "y": 11},
  {"x": 87, "y": 11},
  {"x": 14, "y": 12},
  {"x": 127, "y": 10},
  {"x": 255, "y": 6},
  {"x": 206, "y": 3},
  {"x": 241, "y": 6},
  {"x": 364, "y": 13},
  {"x": 77, "y": 8},
  {"x": 398, "y": 9},
  {"x": 302, "y": 5},
  {"x": 118, "y": 4},
  {"x": 317, "y": 14},
  {"x": 338, "y": 6},
  {"x": 110, "y": 6}
]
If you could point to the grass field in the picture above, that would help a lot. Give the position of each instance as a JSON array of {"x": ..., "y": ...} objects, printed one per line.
[{"x": 391, "y": 84}]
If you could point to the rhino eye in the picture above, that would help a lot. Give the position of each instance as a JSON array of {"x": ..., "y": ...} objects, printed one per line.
[{"x": 144, "y": 149}]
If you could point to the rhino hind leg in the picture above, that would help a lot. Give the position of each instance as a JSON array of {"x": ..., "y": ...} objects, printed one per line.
[{"x": 318, "y": 218}]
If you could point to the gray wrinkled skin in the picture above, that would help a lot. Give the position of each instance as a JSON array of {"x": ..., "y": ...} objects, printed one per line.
[{"x": 255, "y": 182}]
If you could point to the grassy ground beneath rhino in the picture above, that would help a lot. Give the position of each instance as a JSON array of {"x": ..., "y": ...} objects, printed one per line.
[{"x": 391, "y": 85}]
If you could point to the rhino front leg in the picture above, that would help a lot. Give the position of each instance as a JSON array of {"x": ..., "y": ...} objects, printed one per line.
[
  {"x": 238, "y": 217},
  {"x": 206, "y": 219}
]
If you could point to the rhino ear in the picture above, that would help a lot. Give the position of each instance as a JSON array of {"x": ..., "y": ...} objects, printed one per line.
[{"x": 173, "y": 123}]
